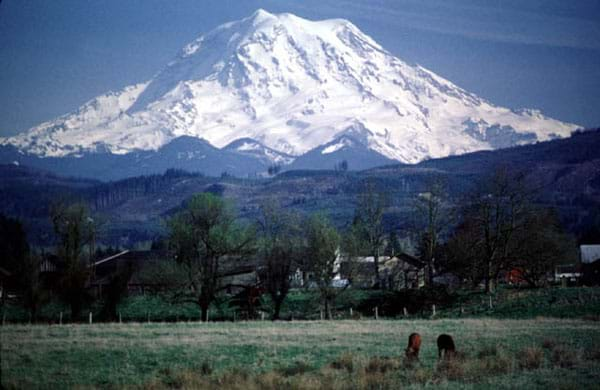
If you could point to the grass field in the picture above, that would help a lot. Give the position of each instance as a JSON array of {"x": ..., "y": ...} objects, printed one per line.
[
  {"x": 495, "y": 353},
  {"x": 572, "y": 302}
]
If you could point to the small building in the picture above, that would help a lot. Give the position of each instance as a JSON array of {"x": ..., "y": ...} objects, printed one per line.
[
  {"x": 590, "y": 264},
  {"x": 589, "y": 253},
  {"x": 571, "y": 273},
  {"x": 132, "y": 262},
  {"x": 402, "y": 271}
]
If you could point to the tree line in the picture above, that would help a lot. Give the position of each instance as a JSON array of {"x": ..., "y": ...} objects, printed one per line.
[{"x": 495, "y": 228}]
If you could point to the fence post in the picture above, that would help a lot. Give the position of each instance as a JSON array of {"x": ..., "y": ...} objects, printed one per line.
[
  {"x": 321, "y": 313},
  {"x": 405, "y": 312},
  {"x": 433, "y": 310},
  {"x": 90, "y": 318},
  {"x": 351, "y": 316},
  {"x": 262, "y": 315},
  {"x": 120, "y": 319},
  {"x": 376, "y": 313},
  {"x": 491, "y": 307},
  {"x": 60, "y": 318}
]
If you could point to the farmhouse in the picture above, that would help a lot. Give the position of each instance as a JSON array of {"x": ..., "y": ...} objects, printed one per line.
[{"x": 396, "y": 272}]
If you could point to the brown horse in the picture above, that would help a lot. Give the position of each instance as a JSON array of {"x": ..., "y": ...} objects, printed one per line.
[
  {"x": 414, "y": 344},
  {"x": 446, "y": 344}
]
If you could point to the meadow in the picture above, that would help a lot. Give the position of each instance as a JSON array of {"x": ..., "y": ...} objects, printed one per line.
[{"x": 360, "y": 354}]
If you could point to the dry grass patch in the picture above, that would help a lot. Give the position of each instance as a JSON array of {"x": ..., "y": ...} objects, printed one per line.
[
  {"x": 381, "y": 365},
  {"x": 531, "y": 358},
  {"x": 592, "y": 353},
  {"x": 564, "y": 356},
  {"x": 451, "y": 369},
  {"x": 297, "y": 368},
  {"x": 344, "y": 362},
  {"x": 548, "y": 343}
]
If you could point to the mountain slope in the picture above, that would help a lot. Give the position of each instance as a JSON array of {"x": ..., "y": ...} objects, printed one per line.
[
  {"x": 291, "y": 85},
  {"x": 566, "y": 173},
  {"x": 344, "y": 150},
  {"x": 188, "y": 153}
]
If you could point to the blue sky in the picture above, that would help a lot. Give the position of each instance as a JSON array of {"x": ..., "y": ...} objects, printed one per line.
[{"x": 544, "y": 54}]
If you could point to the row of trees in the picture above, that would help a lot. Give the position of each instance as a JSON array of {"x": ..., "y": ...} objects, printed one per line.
[
  {"x": 500, "y": 228},
  {"x": 494, "y": 228},
  {"x": 497, "y": 227},
  {"x": 75, "y": 231},
  {"x": 205, "y": 235}
]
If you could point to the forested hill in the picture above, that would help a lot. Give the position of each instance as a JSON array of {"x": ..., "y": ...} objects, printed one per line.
[
  {"x": 581, "y": 147},
  {"x": 566, "y": 172}
]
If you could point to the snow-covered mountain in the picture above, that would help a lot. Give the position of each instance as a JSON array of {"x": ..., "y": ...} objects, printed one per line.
[{"x": 279, "y": 86}]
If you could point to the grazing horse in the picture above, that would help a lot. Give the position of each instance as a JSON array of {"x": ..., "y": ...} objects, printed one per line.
[
  {"x": 414, "y": 344},
  {"x": 446, "y": 344}
]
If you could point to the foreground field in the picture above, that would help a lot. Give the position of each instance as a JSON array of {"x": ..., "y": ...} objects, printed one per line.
[{"x": 537, "y": 353}]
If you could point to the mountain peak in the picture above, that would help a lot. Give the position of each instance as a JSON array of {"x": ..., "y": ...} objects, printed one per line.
[
  {"x": 261, "y": 15},
  {"x": 291, "y": 85}
]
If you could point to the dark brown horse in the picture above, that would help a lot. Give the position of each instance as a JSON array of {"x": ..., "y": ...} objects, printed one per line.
[
  {"x": 446, "y": 344},
  {"x": 414, "y": 345}
]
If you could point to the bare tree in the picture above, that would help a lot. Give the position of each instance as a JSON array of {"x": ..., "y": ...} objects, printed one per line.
[
  {"x": 433, "y": 219},
  {"x": 368, "y": 224},
  {"x": 201, "y": 237},
  {"x": 322, "y": 250},
  {"x": 462, "y": 254},
  {"x": 495, "y": 213},
  {"x": 116, "y": 290},
  {"x": 280, "y": 248},
  {"x": 33, "y": 290},
  {"x": 540, "y": 246}
]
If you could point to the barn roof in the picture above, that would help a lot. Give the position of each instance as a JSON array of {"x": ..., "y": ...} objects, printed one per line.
[
  {"x": 415, "y": 262},
  {"x": 590, "y": 253},
  {"x": 5, "y": 272}
]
